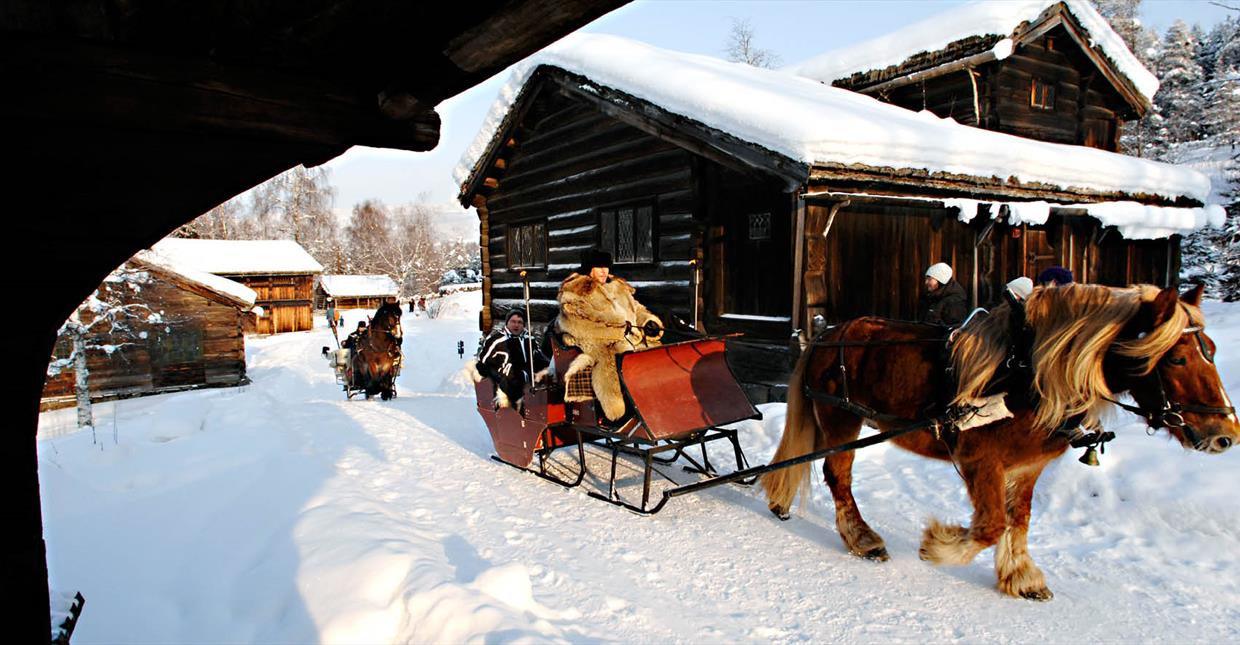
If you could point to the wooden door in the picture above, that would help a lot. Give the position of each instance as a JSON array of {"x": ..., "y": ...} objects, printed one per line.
[{"x": 753, "y": 247}]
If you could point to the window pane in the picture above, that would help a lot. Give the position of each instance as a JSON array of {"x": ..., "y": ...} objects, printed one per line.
[
  {"x": 624, "y": 235},
  {"x": 643, "y": 234},
  {"x": 759, "y": 226}
]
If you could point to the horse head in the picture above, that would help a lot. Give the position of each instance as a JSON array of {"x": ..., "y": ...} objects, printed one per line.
[{"x": 1166, "y": 362}]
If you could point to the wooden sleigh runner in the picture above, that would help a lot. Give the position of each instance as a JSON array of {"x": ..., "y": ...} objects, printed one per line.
[{"x": 680, "y": 396}]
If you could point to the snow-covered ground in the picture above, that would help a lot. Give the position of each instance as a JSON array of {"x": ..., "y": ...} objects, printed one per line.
[{"x": 279, "y": 512}]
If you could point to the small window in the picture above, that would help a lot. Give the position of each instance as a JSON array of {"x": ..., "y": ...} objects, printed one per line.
[
  {"x": 759, "y": 226},
  {"x": 527, "y": 245},
  {"x": 627, "y": 232},
  {"x": 1042, "y": 95}
]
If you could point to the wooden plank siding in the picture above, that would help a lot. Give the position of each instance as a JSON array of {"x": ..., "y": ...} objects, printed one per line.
[
  {"x": 287, "y": 301},
  {"x": 872, "y": 261},
  {"x": 570, "y": 162},
  {"x": 207, "y": 334}
]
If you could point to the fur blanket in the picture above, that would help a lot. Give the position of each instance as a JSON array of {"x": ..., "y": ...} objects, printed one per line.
[{"x": 604, "y": 320}]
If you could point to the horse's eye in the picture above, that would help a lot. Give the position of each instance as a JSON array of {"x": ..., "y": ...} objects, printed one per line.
[{"x": 1177, "y": 360}]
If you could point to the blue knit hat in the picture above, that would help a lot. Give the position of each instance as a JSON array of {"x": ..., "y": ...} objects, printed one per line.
[{"x": 1057, "y": 274}]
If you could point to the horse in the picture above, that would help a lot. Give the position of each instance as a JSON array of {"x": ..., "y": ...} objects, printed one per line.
[
  {"x": 1061, "y": 366},
  {"x": 377, "y": 357}
]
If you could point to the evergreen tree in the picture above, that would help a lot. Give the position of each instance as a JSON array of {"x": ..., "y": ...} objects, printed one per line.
[{"x": 1179, "y": 99}]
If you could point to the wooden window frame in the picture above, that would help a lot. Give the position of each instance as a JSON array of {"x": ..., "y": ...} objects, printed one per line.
[
  {"x": 512, "y": 230},
  {"x": 613, "y": 211},
  {"x": 1047, "y": 102}
]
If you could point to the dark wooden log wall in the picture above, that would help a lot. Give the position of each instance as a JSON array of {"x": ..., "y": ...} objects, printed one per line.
[
  {"x": 1085, "y": 103},
  {"x": 139, "y": 367},
  {"x": 565, "y": 161},
  {"x": 287, "y": 301},
  {"x": 872, "y": 261}
]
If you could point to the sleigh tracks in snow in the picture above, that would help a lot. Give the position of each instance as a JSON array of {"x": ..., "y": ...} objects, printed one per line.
[{"x": 679, "y": 396}]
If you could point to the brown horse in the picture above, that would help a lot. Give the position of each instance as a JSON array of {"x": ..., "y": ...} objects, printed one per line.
[
  {"x": 376, "y": 359},
  {"x": 1082, "y": 344}
]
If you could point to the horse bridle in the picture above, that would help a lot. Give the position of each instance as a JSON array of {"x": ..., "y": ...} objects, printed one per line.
[{"x": 1170, "y": 414}]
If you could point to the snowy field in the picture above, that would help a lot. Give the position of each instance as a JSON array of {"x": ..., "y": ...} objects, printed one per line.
[{"x": 279, "y": 512}]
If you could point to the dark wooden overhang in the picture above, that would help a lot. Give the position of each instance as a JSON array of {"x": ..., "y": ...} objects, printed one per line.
[
  {"x": 124, "y": 120},
  {"x": 690, "y": 134},
  {"x": 971, "y": 52}
]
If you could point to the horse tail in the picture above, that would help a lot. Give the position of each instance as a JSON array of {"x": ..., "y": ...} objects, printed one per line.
[{"x": 800, "y": 432}]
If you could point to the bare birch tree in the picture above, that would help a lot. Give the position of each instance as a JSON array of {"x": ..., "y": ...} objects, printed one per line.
[{"x": 740, "y": 46}]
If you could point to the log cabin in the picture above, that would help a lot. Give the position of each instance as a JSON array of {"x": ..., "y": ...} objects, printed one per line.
[
  {"x": 170, "y": 328},
  {"x": 1050, "y": 70},
  {"x": 355, "y": 291},
  {"x": 753, "y": 201},
  {"x": 281, "y": 272}
]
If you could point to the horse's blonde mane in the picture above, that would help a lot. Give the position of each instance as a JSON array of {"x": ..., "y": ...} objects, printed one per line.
[{"x": 1073, "y": 328}]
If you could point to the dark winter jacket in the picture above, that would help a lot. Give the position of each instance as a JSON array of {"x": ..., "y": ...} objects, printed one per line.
[
  {"x": 947, "y": 305},
  {"x": 504, "y": 355}
]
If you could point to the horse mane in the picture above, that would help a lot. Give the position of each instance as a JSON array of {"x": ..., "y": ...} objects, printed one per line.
[{"x": 1074, "y": 326}]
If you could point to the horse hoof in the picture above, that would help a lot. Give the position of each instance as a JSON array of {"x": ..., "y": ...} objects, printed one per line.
[
  {"x": 877, "y": 554},
  {"x": 780, "y": 513},
  {"x": 1040, "y": 595}
]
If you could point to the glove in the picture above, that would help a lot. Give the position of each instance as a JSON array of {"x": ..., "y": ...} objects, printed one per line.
[{"x": 652, "y": 329}]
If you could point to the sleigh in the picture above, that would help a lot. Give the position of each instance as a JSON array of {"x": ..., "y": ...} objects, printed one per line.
[
  {"x": 680, "y": 397},
  {"x": 342, "y": 365}
]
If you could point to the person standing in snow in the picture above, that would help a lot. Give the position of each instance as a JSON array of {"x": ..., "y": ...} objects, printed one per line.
[
  {"x": 943, "y": 302},
  {"x": 331, "y": 313}
]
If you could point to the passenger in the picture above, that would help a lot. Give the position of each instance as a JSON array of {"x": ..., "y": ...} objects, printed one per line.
[
  {"x": 1054, "y": 277},
  {"x": 599, "y": 315},
  {"x": 504, "y": 355},
  {"x": 944, "y": 301},
  {"x": 1020, "y": 288}
]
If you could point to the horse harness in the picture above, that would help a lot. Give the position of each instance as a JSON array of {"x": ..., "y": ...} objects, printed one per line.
[
  {"x": 945, "y": 426},
  {"x": 1170, "y": 414}
]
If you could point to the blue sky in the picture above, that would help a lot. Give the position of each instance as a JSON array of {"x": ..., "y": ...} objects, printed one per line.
[{"x": 794, "y": 29}]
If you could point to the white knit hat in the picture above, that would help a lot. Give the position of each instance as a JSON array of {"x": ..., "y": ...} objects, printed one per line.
[
  {"x": 1021, "y": 287},
  {"x": 941, "y": 272}
]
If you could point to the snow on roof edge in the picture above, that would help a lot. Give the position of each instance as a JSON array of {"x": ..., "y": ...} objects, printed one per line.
[
  {"x": 230, "y": 289},
  {"x": 353, "y": 286},
  {"x": 787, "y": 115},
  {"x": 240, "y": 257},
  {"x": 972, "y": 20}
]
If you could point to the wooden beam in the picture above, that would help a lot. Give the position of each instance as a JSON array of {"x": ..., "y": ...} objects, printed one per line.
[
  {"x": 72, "y": 82},
  {"x": 519, "y": 29},
  {"x": 933, "y": 72}
]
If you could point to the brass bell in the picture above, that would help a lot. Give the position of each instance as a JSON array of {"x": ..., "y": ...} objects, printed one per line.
[{"x": 1090, "y": 458}]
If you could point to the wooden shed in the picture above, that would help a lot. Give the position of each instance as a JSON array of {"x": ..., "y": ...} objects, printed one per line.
[
  {"x": 171, "y": 328},
  {"x": 791, "y": 199},
  {"x": 355, "y": 291},
  {"x": 281, "y": 272}
]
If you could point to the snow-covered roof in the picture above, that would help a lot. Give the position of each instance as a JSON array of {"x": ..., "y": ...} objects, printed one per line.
[
  {"x": 234, "y": 291},
  {"x": 239, "y": 257},
  {"x": 987, "y": 18},
  {"x": 357, "y": 286},
  {"x": 823, "y": 126}
]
